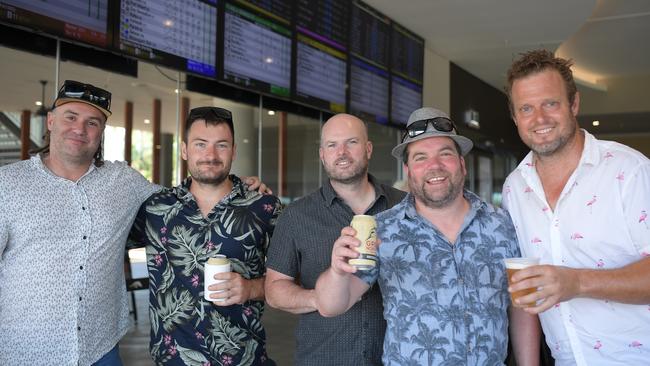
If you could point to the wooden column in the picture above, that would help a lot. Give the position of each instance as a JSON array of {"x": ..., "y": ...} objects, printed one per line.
[
  {"x": 282, "y": 153},
  {"x": 185, "y": 110},
  {"x": 25, "y": 141},
  {"x": 128, "y": 130},
  {"x": 155, "y": 121}
]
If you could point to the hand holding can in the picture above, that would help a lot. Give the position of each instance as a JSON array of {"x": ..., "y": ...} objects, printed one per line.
[
  {"x": 216, "y": 264},
  {"x": 366, "y": 228}
]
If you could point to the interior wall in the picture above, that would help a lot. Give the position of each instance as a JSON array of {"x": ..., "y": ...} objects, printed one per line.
[{"x": 436, "y": 81}]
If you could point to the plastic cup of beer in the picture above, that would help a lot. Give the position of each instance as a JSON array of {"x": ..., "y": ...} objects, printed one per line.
[
  {"x": 216, "y": 264},
  {"x": 366, "y": 228},
  {"x": 512, "y": 266}
]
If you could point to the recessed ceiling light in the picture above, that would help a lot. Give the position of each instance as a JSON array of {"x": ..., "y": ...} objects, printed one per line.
[
  {"x": 147, "y": 121},
  {"x": 176, "y": 91},
  {"x": 271, "y": 113},
  {"x": 595, "y": 123},
  {"x": 39, "y": 103}
]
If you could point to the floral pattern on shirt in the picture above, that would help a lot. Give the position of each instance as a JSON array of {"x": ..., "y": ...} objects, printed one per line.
[
  {"x": 444, "y": 304},
  {"x": 186, "y": 329}
]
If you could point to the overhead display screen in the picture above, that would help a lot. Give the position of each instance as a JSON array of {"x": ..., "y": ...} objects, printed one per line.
[
  {"x": 79, "y": 20},
  {"x": 368, "y": 91},
  {"x": 369, "y": 34},
  {"x": 181, "y": 34},
  {"x": 257, "y": 47},
  {"x": 369, "y": 78},
  {"x": 407, "y": 69},
  {"x": 321, "y": 53},
  {"x": 406, "y": 97},
  {"x": 407, "y": 56}
]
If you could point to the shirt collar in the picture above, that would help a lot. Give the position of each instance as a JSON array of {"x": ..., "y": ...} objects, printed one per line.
[
  {"x": 37, "y": 160},
  {"x": 329, "y": 194}
]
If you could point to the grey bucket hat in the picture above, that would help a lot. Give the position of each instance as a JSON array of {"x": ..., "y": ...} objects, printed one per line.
[{"x": 431, "y": 113}]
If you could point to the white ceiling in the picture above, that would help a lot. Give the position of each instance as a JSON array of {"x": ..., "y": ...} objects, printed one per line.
[{"x": 608, "y": 40}]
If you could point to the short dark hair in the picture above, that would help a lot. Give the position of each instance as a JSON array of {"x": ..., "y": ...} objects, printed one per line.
[
  {"x": 405, "y": 154},
  {"x": 536, "y": 61},
  {"x": 212, "y": 116}
]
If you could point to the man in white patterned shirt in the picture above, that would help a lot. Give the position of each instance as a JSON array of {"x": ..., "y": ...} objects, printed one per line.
[
  {"x": 64, "y": 218},
  {"x": 579, "y": 204}
]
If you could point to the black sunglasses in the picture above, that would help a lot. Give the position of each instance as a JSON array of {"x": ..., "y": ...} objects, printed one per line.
[
  {"x": 210, "y": 114},
  {"x": 417, "y": 128},
  {"x": 89, "y": 93}
]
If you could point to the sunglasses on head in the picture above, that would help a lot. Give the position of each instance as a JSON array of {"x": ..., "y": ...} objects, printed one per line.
[
  {"x": 210, "y": 114},
  {"x": 417, "y": 128},
  {"x": 89, "y": 93}
]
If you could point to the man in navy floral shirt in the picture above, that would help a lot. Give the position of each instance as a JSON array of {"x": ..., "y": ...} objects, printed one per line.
[
  {"x": 440, "y": 266},
  {"x": 210, "y": 213}
]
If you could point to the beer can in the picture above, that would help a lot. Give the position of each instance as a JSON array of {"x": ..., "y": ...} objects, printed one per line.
[
  {"x": 366, "y": 228},
  {"x": 217, "y": 264}
]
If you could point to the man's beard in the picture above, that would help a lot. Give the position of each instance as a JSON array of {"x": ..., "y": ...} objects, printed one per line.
[
  {"x": 558, "y": 144},
  {"x": 211, "y": 178},
  {"x": 455, "y": 187},
  {"x": 359, "y": 171}
]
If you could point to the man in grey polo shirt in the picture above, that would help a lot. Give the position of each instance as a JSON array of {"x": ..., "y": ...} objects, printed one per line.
[{"x": 301, "y": 249}]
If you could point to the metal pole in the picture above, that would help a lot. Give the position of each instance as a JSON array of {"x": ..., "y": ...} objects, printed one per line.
[
  {"x": 57, "y": 67},
  {"x": 178, "y": 129},
  {"x": 259, "y": 140},
  {"x": 320, "y": 166}
]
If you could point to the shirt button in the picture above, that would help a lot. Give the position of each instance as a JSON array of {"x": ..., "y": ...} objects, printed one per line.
[
  {"x": 79, "y": 298},
  {"x": 460, "y": 281},
  {"x": 81, "y": 267},
  {"x": 84, "y": 237},
  {"x": 83, "y": 208},
  {"x": 78, "y": 328}
]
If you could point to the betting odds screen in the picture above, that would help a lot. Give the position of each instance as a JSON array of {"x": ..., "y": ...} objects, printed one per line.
[
  {"x": 407, "y": 68},
  {"x": 257, "y": 46},
  {"x": 85, "y": 21},
  {"x": 369, "y": 49},
  {"x": 321, "y": 54},
  {"x": 181, "y": 34}
]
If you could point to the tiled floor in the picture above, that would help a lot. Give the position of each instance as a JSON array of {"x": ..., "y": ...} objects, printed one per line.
[{"x": 134, "y": 347}]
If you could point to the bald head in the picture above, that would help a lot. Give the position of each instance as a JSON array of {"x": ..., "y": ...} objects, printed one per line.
[
  {"x": 345, "y": 149},
  {"x": 343, "y": 123}
]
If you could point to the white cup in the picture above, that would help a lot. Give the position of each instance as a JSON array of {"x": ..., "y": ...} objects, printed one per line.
[{"x": 216, "y": 264}]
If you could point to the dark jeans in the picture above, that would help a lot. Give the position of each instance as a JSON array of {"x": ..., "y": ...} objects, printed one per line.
[{"x": 112, "y": 358}]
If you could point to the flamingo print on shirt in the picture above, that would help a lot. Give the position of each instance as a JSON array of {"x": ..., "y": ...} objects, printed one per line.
[
  {"x": 590, "y": 203},
  {"x": 598, "y": 345},
  {"x": 621, "y": 176},
  {"x": 635, "y": 345},
  {"x": 600, "y": 263},
  {"x": 536, "y": 240},
  {"x": 608, "y": 155},
  {"x": 643, "y": 217},
  {"x": 577, "y": 237}
]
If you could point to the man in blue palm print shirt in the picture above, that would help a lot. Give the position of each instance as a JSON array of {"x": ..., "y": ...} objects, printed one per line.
[
  {"x": 440, "y": 262},
  {"x": 210, "y": 213}
]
